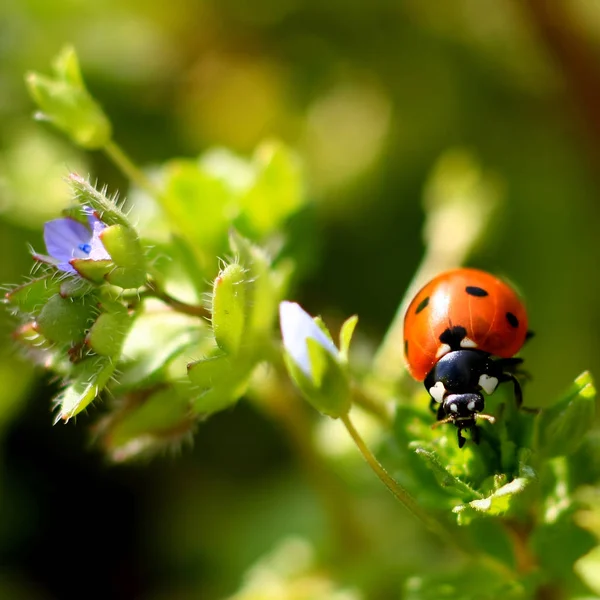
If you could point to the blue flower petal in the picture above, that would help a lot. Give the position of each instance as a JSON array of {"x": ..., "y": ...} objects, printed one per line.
[
  {"x": 296, "y": 327},
  {"x": 63, "y": 238},
  {"x": 97, "y": 249}
]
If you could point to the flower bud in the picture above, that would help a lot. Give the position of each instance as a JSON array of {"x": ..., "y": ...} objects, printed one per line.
[
  {"x": 107, "y": 334},
  {"x": 313, "y": 361},
  {"x": 67, "y": 104}
]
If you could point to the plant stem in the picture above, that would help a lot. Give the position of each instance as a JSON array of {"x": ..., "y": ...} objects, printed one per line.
[
  {"x": 393, "y": 486},
  {"x": 436, "y": 527},
  {"x": 129, "y": 168},
  {"x": 195, "y": 310}
]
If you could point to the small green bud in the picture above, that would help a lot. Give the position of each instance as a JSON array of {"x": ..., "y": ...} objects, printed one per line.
[
  {"x": 108, "y": 332},
  {"x": 229, "y": 308},
  {"x": 123, "y": 245},
  {"x": 65, "y": 320},
  {"x": 105, "y": 206},
  {"x": 67, "y": 104},
  {"x": 313, "y": 361},
  {"x": 562, "y": 427}
]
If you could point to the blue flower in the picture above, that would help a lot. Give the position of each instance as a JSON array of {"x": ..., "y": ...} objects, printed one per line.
[
  {"x": 297, "y": 326},
  {"x": 67, "y": 239}
]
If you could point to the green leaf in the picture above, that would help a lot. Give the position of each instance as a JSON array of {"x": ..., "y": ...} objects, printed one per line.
[
  {"x": 88, "y": 378},
  {"x": 66, "y": 320},
  {"x": 445, "y": 478},
  {"x": 156, "y": 337},
  {"x": 209, "y": 372},
  {"x": 498, "y": 503},
  {"x": 561, "y": 428},
  {"x": 277, "y": 190},
  {"x": 199, "y": 206},
  {"x": 229, "y": 307},
  {"x": 67, "y": 104},
  {"x": 346, "y": 333},
  {"x": 161, "y": 419},
  {"x": 30, "y": 297}
]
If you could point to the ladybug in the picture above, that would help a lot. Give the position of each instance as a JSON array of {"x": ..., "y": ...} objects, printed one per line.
[{"x": 461, "y": 332}]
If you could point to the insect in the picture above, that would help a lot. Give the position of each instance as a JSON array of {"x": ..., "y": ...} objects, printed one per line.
[{"x": 461, "y": 332}]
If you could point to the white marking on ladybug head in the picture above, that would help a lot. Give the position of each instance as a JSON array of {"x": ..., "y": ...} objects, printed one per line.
[
  {"x": 454, "y": 407},
  {"x": 468, "y": 343},
  {"x": 443, "y": 349},
  {"x": 488, "y": 384},
  {"x": 471, "y": 405},
  {"x": 438, "y": 391}
]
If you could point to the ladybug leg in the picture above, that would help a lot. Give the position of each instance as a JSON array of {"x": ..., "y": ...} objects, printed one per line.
[
  {"x": 516, "y": 387},
  {"x": 461, "y": 439},
  {"x": 511, "y": 365}
]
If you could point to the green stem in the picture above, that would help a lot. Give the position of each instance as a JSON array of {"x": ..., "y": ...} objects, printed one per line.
[
  {"x": 195, "y": 310},
  {"x": 393, "y": 486},
  {"x": 410, "y": 503},
  {"x": 129, "y": 168}
]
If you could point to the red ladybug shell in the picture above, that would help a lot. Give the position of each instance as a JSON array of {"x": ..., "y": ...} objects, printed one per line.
[{"x": 488, "y": 309}]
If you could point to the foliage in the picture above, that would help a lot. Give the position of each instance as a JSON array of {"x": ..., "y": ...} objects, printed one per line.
[{"x": 167, "y": 320}]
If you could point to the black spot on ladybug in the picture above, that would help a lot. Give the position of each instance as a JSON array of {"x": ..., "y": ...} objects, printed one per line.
[
  {"x": 422, "y": 305},
  {"x": 473, "y": 290},
  {"x": 406, "y": 348},
  {"x": 512, "y": 320},
  {"x": 453, "y": 336}
]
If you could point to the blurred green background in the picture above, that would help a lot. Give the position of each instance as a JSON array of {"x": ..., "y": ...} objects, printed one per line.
[{"x": 372, "y": 95}]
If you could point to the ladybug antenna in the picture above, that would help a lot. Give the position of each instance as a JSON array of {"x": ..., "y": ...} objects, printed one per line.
[
  {"x": 442, "y": 422},
  {"x": 488, "y": 418}
]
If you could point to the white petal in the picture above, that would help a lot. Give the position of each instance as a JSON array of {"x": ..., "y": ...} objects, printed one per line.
[{"x": 296, "y": 327}]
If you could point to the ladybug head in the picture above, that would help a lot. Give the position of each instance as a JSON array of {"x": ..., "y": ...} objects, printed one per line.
[{"x": 463, "y": 410}]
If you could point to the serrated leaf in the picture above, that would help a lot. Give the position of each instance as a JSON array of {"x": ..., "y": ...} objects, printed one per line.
[
  {"x": 495, "y": 504},
  {"x": 445, "y": 478},
  {"x": 88, "y": 378},
  {"x": 30, "y": 297}
]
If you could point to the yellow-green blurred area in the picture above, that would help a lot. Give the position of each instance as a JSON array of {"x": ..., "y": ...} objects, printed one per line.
[{"x": 384, "y": 101}]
